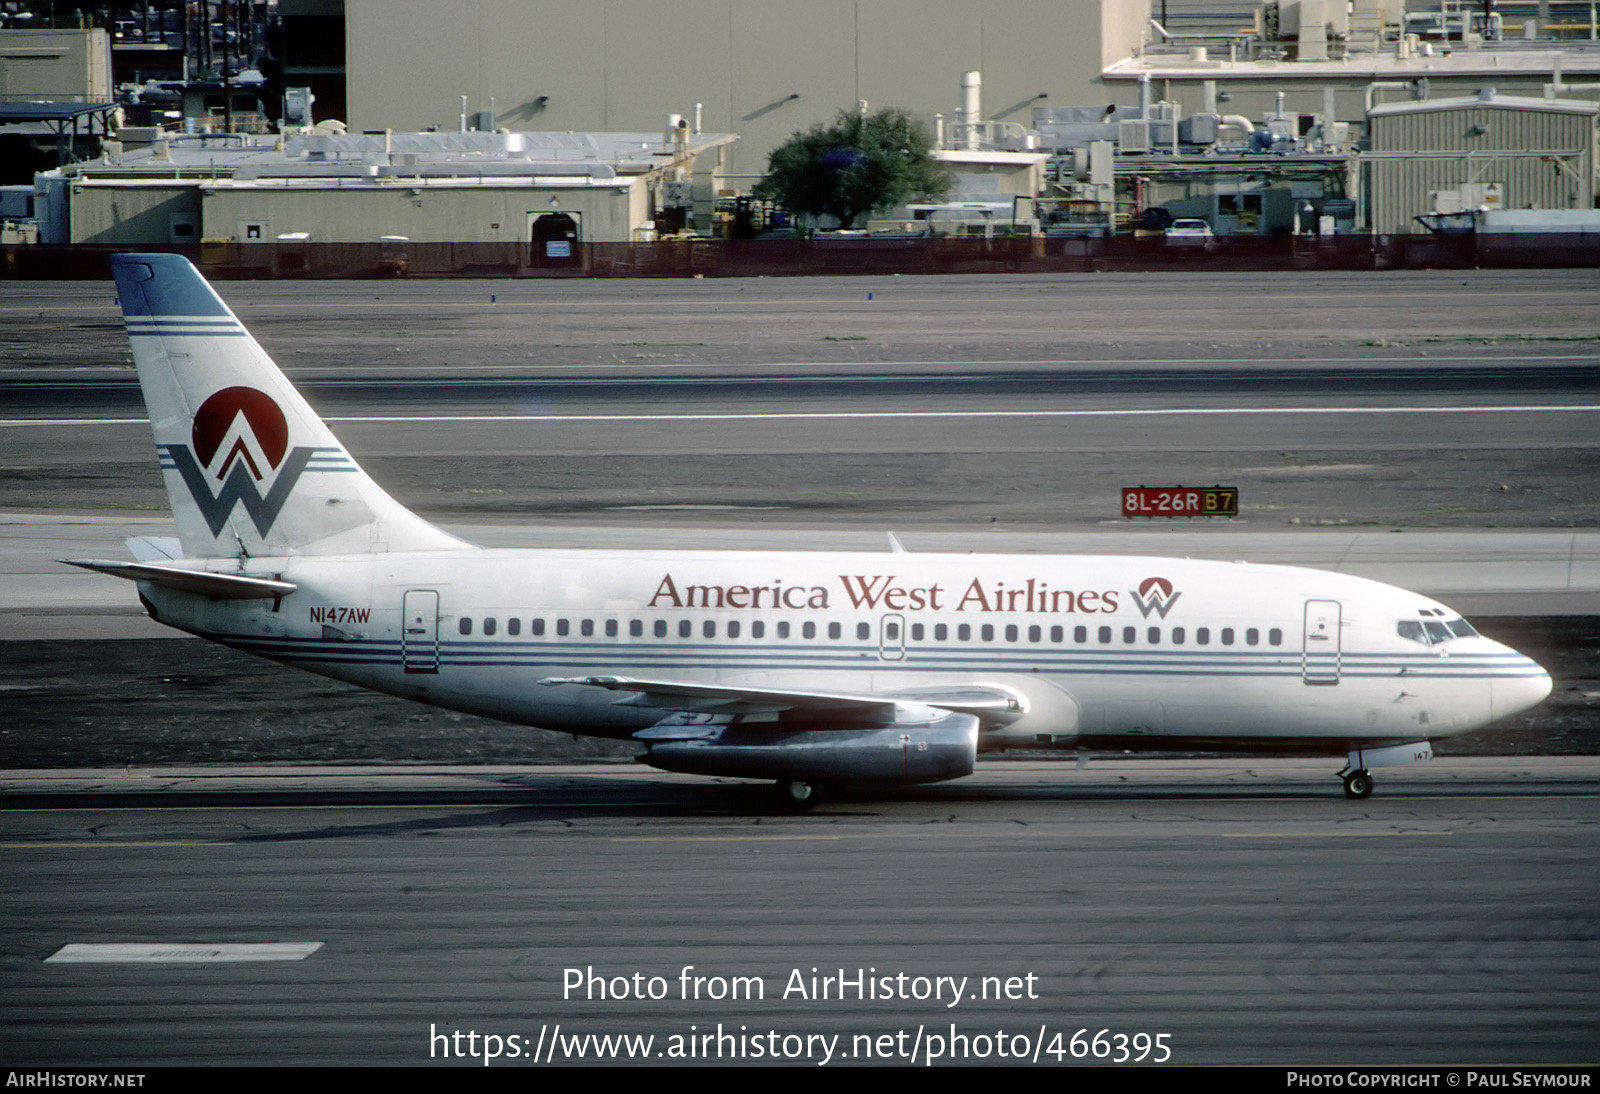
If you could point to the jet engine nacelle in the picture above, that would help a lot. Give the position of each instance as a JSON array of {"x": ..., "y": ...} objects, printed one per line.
[{"x": 927, "y": 752}]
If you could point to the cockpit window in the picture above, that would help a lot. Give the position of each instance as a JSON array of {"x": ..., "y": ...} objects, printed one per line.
[{"x": 1432, "y": 631}]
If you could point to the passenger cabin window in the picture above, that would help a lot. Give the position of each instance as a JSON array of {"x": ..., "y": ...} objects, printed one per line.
[
  {"x": 863, "y": 631},
  {"x": 1105, "y": 635},
  {"x": 1275, "y": 637},
  {"x": 537, "y": 627},
  {"x": 783, "y": 630},
  {"x": 1177, "y": 636},
  {"x": 661, "y": 628},
  {"x": 513, "y": 626},
  {"x": 685, "y": 628},
  {"x": 1129, "y": 635},
  {"x": 611, "y": 628},
  {"x": 834, "y": 631},
  {"x": 1252, "y": 637},
  {"x": 586, "y": 628},
  {"x": 758, "y": 629},
  {"x": 635, "y": 628},
  {"x": 733, "y": 629},
  {"x": 1153, "y": 636},
  {"x": 563, "y": 626},
  {"x": 808, "y": 630},
  {"x": 1202, "y": 636},
  {"x": 489, "y": 626},
  {"x": 465, "y": 626},
  {"x": 1227, "y": 636}
]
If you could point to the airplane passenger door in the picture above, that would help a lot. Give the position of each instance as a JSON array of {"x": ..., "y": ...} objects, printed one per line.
[
  {"x": 1319, "y": 663},
  {"x": 419, "y": 634},
  {"x": 892, "y": 638}
]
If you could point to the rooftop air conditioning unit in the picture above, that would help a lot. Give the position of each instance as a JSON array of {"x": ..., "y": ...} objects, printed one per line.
[{"x": 1133, "y": 135}]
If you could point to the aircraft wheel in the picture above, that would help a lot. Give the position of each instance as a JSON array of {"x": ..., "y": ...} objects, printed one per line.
[
  {"x": 1358, "y": 784},
  {"x": 797, "y": 795}
]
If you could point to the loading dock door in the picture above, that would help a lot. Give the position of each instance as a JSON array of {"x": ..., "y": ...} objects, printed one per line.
[{"x": 555, "y": 238}]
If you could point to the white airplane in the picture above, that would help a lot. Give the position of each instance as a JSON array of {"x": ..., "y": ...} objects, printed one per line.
[{"x": 805, "y": 668}]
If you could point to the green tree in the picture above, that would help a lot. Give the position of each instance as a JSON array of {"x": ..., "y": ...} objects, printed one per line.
[{"x": 859, "y": 163}]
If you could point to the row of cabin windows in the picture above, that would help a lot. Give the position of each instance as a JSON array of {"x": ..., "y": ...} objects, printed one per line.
[{"x": 964, "y": 632}]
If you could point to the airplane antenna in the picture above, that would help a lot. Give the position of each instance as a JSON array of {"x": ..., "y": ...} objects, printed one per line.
[{"x": 895, "y": 545}]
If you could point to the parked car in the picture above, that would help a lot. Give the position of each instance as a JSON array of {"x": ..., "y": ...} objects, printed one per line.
[{"x": 1190, "y": 232}]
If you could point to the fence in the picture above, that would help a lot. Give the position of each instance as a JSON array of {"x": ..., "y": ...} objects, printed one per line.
[{"x": 784, "y": 258}]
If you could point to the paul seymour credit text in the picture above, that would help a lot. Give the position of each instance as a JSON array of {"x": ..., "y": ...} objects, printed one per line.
[{"x": 924, "y": 1042}]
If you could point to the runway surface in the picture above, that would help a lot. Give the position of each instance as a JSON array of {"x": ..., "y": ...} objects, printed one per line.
[
  {"x": 1410, "y": 399},
  {"x": 1246, "y": 910}
]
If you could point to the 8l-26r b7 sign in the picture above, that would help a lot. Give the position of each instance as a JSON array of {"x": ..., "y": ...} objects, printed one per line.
[{"x": 1180, "y": 501}]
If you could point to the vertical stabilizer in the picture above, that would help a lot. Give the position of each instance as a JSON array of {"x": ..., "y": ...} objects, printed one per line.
[{"x": 249, "y": 467}]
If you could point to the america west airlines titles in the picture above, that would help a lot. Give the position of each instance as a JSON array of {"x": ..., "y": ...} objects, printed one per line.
[{"x": 874, "y": 592}]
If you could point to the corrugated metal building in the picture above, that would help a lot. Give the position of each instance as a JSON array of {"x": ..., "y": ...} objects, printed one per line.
[{"x": 1488, "y": 150}]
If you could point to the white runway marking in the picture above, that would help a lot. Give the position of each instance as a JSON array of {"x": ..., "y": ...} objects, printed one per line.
[
  {"x": 190, "y": 952},
  {"x": 882, "y": 415}
]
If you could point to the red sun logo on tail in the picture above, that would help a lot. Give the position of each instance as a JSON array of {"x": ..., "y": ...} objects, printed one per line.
[{"x": 263, "y": 419}]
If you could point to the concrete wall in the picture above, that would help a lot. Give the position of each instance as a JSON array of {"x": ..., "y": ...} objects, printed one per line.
[
  {"x": 438, "y": 214},
  {"x": 129, "y": 214},
  {"x": 625, "y": 64},
  {"x": 142, "y": 214}
]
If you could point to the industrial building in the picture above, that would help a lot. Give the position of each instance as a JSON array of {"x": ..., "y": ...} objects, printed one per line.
[
  {"x": 333, "y": 187},
  {"x": 1065, "y": 117}
]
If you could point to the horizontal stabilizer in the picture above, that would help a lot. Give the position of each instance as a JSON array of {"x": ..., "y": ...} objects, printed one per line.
[{"x": 222, "y": 586}]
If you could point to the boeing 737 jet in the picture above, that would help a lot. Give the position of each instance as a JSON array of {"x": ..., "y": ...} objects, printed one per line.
[{"x": 805, "y": 668}]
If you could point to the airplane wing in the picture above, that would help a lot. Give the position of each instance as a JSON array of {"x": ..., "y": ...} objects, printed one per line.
[{"x": 991, "y": 704}]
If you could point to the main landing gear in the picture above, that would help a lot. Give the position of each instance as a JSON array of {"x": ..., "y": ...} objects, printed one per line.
[
  {"x": 1358, "y": 784},
  {"x": 796, "y": 795}
]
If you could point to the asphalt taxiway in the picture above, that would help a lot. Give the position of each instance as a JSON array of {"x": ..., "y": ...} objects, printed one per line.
[{"x": 1243, "y": 909}]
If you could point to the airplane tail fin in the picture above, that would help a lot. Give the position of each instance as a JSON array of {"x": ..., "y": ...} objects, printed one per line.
[{"x": 249, "y": 467}]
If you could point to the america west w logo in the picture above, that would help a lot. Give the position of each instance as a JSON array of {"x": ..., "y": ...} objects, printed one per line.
[
  {"x": 259, "y": 436},
  {"x": 1154, "y": 594}
]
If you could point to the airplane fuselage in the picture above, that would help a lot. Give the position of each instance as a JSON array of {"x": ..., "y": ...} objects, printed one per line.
[{"x": 1098, "y": 651}]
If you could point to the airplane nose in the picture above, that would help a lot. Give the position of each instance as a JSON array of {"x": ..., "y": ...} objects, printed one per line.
[{"x": 1514, "y": 694}]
